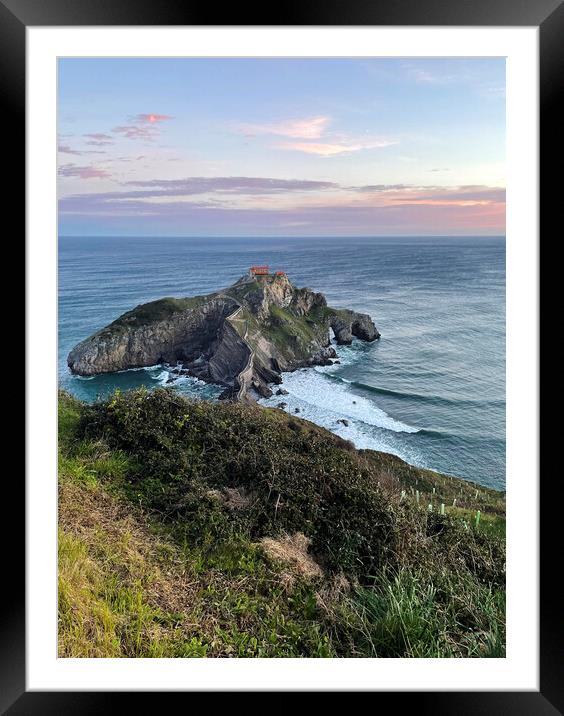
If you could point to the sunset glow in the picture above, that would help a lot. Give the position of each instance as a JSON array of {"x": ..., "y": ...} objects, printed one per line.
[{"x": 281, "y": 146}]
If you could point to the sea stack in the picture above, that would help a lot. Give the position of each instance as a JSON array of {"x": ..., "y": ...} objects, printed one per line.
[{"x": 242, "y": 337}]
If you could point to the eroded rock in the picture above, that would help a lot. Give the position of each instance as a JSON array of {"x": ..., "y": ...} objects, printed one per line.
[{"x": 242, "y": 338}]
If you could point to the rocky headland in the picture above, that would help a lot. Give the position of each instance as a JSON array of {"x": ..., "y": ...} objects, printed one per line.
[{"x": 242, "y": 337}]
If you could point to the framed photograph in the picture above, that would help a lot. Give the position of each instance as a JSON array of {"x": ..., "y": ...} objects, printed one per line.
[{"x": 282, "y": 309}]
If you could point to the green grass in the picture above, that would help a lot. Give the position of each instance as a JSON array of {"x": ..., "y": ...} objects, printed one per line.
[
  {"x": 410, "y": 615},
  {"x": 462, "y": 499},
  {"x": 101, "y": 617},
  {"x": 286, "y": 329},
  {"x": 291, "y": 334},
  {"x": 164, "y": 505},
  {"x": 152, "y": 312},
  {"x": 239, "y": 291}
]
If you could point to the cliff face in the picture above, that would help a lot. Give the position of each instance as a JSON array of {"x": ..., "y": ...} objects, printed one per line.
[
  {"x": 135, "y": 342},
  {"x": 242, "y": 337}
]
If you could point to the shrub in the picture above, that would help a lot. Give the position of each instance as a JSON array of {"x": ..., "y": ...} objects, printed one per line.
[
  {"x": 177, "y": 519},
  {"x": 295, "y": 476}
]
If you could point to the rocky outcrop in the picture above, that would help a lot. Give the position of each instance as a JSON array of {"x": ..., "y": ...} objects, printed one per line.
[
  {"x": 183, "y": 336},
  {"x": 243, "y": 337},
  {"x": 346, "y": 324}
]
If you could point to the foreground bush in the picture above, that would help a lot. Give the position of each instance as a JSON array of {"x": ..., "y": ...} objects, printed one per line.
[{"x": 224, "y": 487}]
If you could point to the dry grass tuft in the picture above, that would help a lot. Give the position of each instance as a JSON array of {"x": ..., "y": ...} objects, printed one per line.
[
  {"x": 236, "y": 498},
  {"x": 331, "y": 593},
  {"x": 292, "y": 550}
]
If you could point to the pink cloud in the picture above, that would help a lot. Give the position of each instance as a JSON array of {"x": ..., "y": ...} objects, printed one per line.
[
  {"x": 307, "y": 128},
  {"x": 82, "y": 172},
  {"x": 228, "y": 185},
  {"x": 150, "y": 118},
  {"x": 331, "y": 149},
  {"x": 450, "y": 196},
  {"x": 441, "y": 202},
  {"x": 133, "y": 131},
  {"x": 310, "y": 128},
  {"x": 330, "y": 220},
  {"x": 65, "y": 149},
  {"x": 142, "y": 126},
  {"x": 249, "y": 203},
  {"x": 99, "y": 136},
  {"x": 114, "y": 160}
]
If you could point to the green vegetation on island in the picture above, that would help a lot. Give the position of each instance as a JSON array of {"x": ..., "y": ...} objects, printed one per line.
[
  {"x": 192, "y": 529},
  {"x": 147, "y": 313},
  {"x": 242, "y": 337}
]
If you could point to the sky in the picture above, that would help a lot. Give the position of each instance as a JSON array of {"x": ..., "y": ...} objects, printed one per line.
[{"x": 281, "y": 147}]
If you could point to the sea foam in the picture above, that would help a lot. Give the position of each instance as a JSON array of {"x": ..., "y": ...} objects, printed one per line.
[{"x": 325, "y": 399}]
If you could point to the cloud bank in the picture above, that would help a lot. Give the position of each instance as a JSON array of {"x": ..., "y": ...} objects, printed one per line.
[{"x": 240, "y": 205}]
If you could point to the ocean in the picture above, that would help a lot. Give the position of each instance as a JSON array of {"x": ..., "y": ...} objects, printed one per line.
[{"x": 431, "y": 390}]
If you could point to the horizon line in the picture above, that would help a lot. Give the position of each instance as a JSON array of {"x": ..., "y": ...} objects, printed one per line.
[{"x": 282, "y": 236}]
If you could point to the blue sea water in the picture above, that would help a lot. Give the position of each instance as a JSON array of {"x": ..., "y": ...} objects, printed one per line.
[{"x": 431, "y": 390}]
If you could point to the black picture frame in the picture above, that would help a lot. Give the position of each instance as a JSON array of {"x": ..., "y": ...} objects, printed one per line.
[{"x": 548, "y": 15}]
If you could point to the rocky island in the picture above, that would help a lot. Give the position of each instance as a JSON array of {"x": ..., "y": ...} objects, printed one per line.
[{"x": 242, "y": 337}]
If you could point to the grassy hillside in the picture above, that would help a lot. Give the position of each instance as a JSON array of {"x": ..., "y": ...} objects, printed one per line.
[
  {"x": 147, "y": 313},
  {"x": 219, "y": 529}
]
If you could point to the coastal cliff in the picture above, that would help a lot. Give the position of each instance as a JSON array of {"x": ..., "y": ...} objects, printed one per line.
[{"x": 242, "y": 337}]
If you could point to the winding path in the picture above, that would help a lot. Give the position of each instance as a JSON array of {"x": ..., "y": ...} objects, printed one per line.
[{"x": 245, "y": 376}]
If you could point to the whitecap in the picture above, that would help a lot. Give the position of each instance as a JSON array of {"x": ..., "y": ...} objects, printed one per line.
[
  {"x": 314, "y": 392},
  {"x": 161, "y": 377}
]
